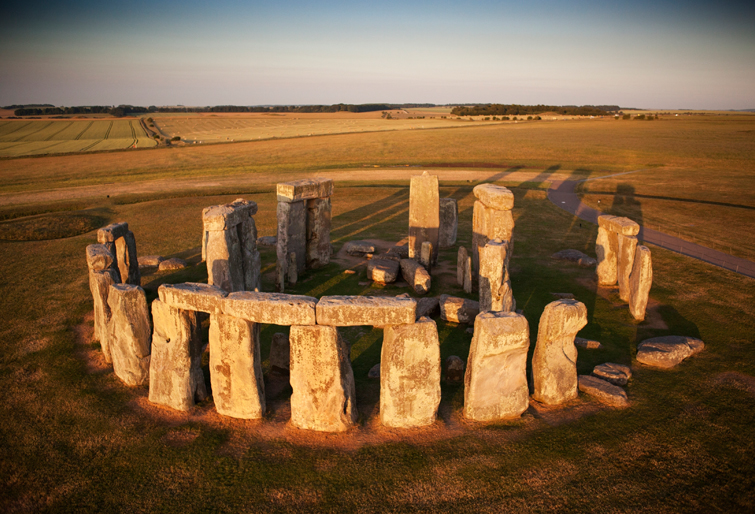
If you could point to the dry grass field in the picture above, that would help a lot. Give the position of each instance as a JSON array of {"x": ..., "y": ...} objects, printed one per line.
[{"x": 73, "y": 438}]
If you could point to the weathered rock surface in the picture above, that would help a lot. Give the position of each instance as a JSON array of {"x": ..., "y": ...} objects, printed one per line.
[
  {"x": 129, "y": 333},
  {"x": 271, "y": 308},
  {"x": 495, "y": 384},
  {"x": 383, "y": 270},
  {"x": 227, "y": 216},
  {"x": 250, "y": 257},
  {"x": 292, "y": 237},
  {"x": 175, "y": 371},
  {"x": 603, "y": 391},
  {"x": 453, "y": 369},
  {"x": 554, "y": 363},
  {"x": 617, "y": 374},
  {"x": 495, "y": 197},
  {"x": 458, "y": 310},
  {"x": 318, "y": 232},
  {"x": 415, "y": 275},
  {"x": 172, "y": 264},
  {"x": 304, "y": 189},
  {"x": 587, "y": 344},
  {"x": 667, "y": 351},
  {"x": 410, "y": 375},
  {"x": 267, "y": 241},
  {"x": 640, "y": 282},
  {"x": 424, "y": 214},
  {"x": 571, "y": 255},
  {"x": 324, "y": 394},
  {"x": 429, "y": 306},
  {"x": 607, "y": 248},
  {"x": 402, "y": 251},
  {"x": 627, "y": 249},
  {"x": 449, "y": 222},
  {"x": 99, "y": 257},
  {"x": 150, "y": 261},
  {"x": 358, "y": 248},
  {"x": 112, "y": 232},
  {"x": 426, "y": 255},
  {"x": 495, "y": 287},
  {"x": 99, "y": 285},
  {"x": 225, "y": 267},
  {"x": 127, "y": 259},
  {"x": 620, "y": 225},
  {"x": 192, "y": 296},
  {"x": 347, "y": 311},
  {"x": 292, "y": 269},
  {"x": 238, "y": 387},
  {"x": 280, "y": 353},
  {"x": 487, "y": 224}
]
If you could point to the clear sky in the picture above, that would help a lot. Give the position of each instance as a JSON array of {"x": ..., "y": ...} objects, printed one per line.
[{"x": 654, "y": 54}]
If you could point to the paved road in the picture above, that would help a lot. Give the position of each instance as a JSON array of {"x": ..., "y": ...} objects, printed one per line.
[{"x": 562, "y": 195}]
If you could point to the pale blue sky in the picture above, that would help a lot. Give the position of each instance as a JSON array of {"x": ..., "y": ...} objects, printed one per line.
[{"x": 643, "y": 54}]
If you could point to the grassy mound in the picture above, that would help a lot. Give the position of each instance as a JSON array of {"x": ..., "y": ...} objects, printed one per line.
[{"x": 57, "y": 225}]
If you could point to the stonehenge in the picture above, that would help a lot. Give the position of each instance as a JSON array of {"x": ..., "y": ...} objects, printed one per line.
[
  {"x": 128, "y": 333},
  {"x": 415, "y": 275},
  {"x": 491, "y": 218},
  {"x": 424, "y": 214},
  {"x": 667, "y": 351},
  {"x": 121, "y": 243},
  {"x": 449, "y": 222},
  {"x": 494, "y": 282},
  {"x": 304, "y": 217},
  {"x": 640, "y": 282}
]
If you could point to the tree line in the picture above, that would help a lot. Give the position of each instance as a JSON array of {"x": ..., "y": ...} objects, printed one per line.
[{"x": 515, "y": 110}]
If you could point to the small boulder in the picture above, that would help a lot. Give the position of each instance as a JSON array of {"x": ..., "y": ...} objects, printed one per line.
[
  {"x": 667, "y": 351},
  {"x": 267, "y": 241},
  {"x": 383, "y": 271},
  {"x": 374, "y": 371},
  {"x": 453, "y": 369},
  {"x": 603, "y": 391},
  {"x": 587, "y": 344},
  {"x": 617, "y": 374},
  {"x": 358, "y": 248},
  {"x": 150, "y": 261},
  {"x": 172, "y": 264},
  {"x": 575, "y": 256}
]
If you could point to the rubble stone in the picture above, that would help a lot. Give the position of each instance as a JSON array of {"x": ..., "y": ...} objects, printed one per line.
[
  {"x": 667, "y": 351},
  {"x": 424, "y": 214},
  {"x": 415, "y": 275},
  {"x": 267, "y": 241},
  {"x": 348, "y": 311},
  {"x": 129, "y": 333},
  {"x": 374, "y": 371},
  {"x": 603, "y": 391},
  {"x": 401, "y": 251},
  {"x": 150, "y": 261},
  {"x": 587, "y": 344},
  {"x": 428, "y": 306},
  {"x": 271, "y": 308},
  {"x": 458, "y": 310},
  {"x": 640, "y": 282}
]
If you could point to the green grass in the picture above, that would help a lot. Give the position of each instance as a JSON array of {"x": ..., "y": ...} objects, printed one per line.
[{"x": 73, "y": 438}]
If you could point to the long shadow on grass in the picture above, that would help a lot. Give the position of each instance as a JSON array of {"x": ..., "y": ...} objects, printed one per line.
[{"x": 358, "y": 220}]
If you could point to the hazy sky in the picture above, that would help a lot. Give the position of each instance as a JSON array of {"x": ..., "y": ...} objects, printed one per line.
[{"x": 654, "y": 54}]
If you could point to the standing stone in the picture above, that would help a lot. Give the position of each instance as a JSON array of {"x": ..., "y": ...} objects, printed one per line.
[
  {"x": 324, "y": 394},
  {"x": 454, "y": 370},
  {"x": 495, "y": 384},
  {"x": 99, "y": 285},
  {"x": 468, "y": 275},
  {"x": 99, "y": 257},
  {"x": 479, "y": 232},
  {"x": 238, "y": 388},
  {"x": 491, "y": 218},
  {"x": 410, "y": 375},
  {"x": 175, "y": 371},
  {"x": 461, "y": 260},
  {"x": 415, "y": 275},
  {"x": 318, "y": 232},
  {"x": 639, "y": 282},
  {"x": 627, "y": 248},
  {"x": 129, "y": 333},
  {"x": 495, "y": 286},
  {"x": 225, "y": 267},
  {"x": 606, "y": 249},
  {"x": 280, "y": 353},
  {"x": 449, "y": 222},
  {"x": 424, "y": 214},
  {"x": 127, "y": 259},
  {"x": 292, "y": 235},
  {"x": 292, "y": 269},
  {"x": 554, "y": 363},
  {"x": 426, "y": 255},
  {"x": 495, "y": 197},
  {"x": 250, "y": 257}
]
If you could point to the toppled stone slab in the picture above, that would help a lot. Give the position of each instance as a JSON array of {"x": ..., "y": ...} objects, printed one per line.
[
  {"x": 458, "y": 310},
  {"x": 554, "y": 363},
  {"x": 429, "y": 306},
  {"x": 172, "y": 264},
  {"x": 617, "y": 374},
  {"x": 374, "y": 371},
  {"x": 358, "y": 248},
  {"x": 415, "y": 275},
  {"x": 175, "y": 371},
  {"x": 304, "y": 189},
  {"x": 150, "y": 261},
  {"x": 348, "y": 311},
  {"x": 410, "y": 375},
  {"x": 495, "y": 384},
  {"x": 587, "y": 344},
  {"x": 495, "y": 197},
  {"x": 280, "y": 353},
  {"x": 449, "y": 222},
  {"x": 640, "y": 282},
  {"x": 267, "y": 241},
  {"x": 424, "y": 214},
  {"x": 271, "y": 308},
  {"x": 453, "y": 369},
  {"x": 129, "y": 333},
  {"x": 112, "y": 232},
  {"x": 99, "y": 257},
  {"x": 620, "y": 225},
  {"x": 382, "y": 270},
  {"x": 192, "y": 296},
  {"x": 603, "y": 391},
  {"x": 667, "y": 351},
  {"x": 571, "y": 255},
  {"x": 324, "y": 393}
]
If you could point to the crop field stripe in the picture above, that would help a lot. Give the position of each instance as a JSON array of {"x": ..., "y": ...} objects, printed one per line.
[
  {"x": 108, "y": 130},
  {"x": 48, "y": 138},
  {"x": 35, "y": 131},
  {"x": 82, "y": 132},
  {"x": 21, "y": 126}
]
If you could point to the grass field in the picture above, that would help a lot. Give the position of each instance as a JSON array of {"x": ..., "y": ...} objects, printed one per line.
[
  {"x": 38, "y": 137},
  {"x": 73, "y": 438}
]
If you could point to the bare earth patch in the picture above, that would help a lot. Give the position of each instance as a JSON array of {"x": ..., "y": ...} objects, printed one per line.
[{"x": 736, "y": 380}]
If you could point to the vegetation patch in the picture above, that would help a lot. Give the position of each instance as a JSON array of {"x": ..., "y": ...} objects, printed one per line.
[{"x": 56, "y": 225}]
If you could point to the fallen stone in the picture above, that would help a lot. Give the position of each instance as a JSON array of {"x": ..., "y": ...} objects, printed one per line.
[
  {"x": 429, "y": 307},
  {"x": 410, "y": 375},
  {"x": 606, "y": 248},
  {"x": 554, "y": 363},
  {"x": 280, "y": 353},
  {"x": 415, "y": 275},
  {"x": 238, "y": 387},
  {"x": 175, "y": 371},
  {"x": 129, "y": 333},
  {"x": 449, "y": 222},
  {"x": 318, "y": 232},
  {"x": 324, "y": 394},
  {"x": 426, "y": 255},
  {"x": 304, "y": 189},
  {"x": 150, "y": 261},
  {"x": 627, "y": 249},
  {"x": 172, "y": 264},
  {"x": 495, "y": 197},
  {"x": 640, "y": 282},
  {"x": 267, "y": 241},
  {"x": 570, "y": 255},
  {"x": 458, "y": 310},
  {"x": 271, "y": 308},
  {"x": 495, "y": 383},
  {"x": 192, "y": 296},
  {"x": 603, "y": 391},
  {"x": 348, "y": 311},
  {"x": 453, "y": 370},
  {"x": 667, "y": 351},
  {"x": 374, "y": 371},
  {"x": 112, "y": 232},
  {"x": 617, "y": 374},
  {"x": 349, "y": 272},
  {"x": 564, "y": 296},
  {"x": 382, "y": 270},
  {"x": 358, "y": 248},
  {"x": 99, "y": 285},
  {"x": 99, "y": 257},
  {"x": 587, "y": 344},
  {"x": 619, "y": 225},
  {"x": 424, "y": 214},
  {"x": 401, "y": 251}
]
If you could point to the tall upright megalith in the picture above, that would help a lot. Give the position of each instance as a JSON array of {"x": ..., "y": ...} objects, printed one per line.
[
  {"x": 610, "y": 230},
  {"x": 495, "y": 285},
  {"x": 449, "y": 222},
  {"x": 424, "y": 214},
  {"x": 640, "y": 281},
  {"x": 121, "y": 243},
  {"x": 129, "y": 333},
  {"x": 492, "y": 218}
]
